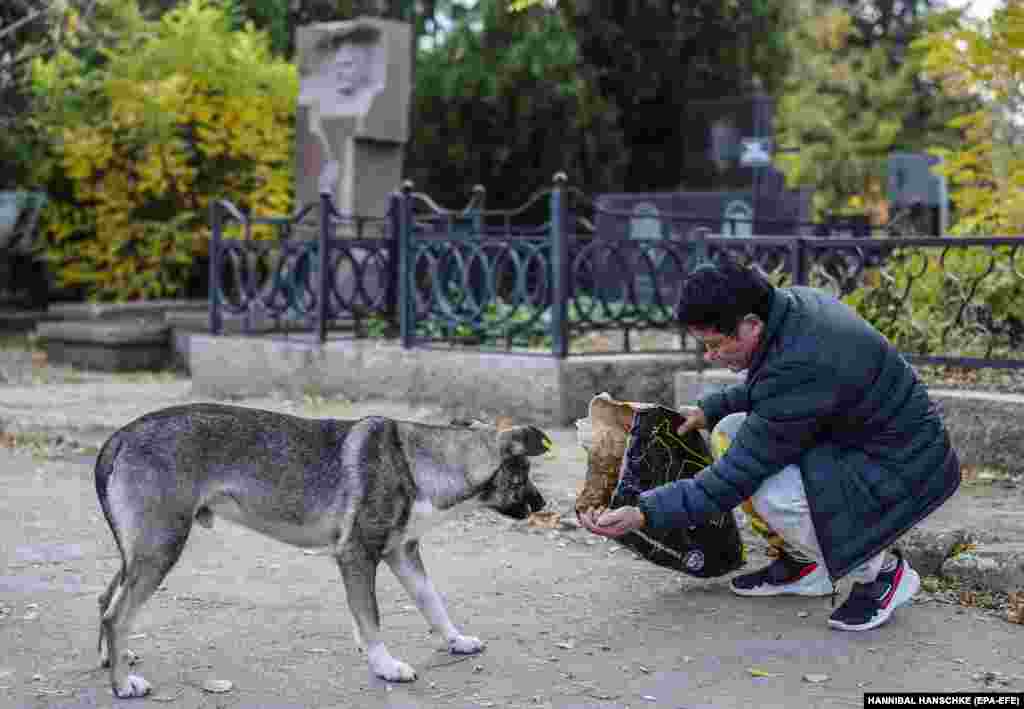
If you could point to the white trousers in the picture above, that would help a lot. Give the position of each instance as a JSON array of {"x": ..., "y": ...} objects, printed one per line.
[{"x": 781, "y": 502}]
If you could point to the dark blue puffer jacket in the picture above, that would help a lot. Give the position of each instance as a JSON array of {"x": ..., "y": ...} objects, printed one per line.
[{"x": 828, "y": 392}]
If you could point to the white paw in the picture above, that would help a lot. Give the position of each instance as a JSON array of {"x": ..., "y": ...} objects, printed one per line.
[
  {"x": 465, "y": 645},
  {"x": 394, "y": 670},
  {"x": 132, "y": 686}
]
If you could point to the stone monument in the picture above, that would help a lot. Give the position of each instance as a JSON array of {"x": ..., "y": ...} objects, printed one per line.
[{"x": 352, "y": 119}]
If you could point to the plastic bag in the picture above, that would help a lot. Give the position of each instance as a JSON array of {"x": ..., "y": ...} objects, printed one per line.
[{"x": 657, "y": 455}]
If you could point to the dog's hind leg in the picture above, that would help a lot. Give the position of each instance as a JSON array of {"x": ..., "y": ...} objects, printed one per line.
[
  {"x": 407, "y": 565},
  {"x": 359, "y": 572},
  {"x": 152, "y": 555},
  {"x": 104, "y": 603}
]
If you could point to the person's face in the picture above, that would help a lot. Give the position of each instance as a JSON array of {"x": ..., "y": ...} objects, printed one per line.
[
  {"x": 732, "y": 351},
  {"x": 350, "y": 68}
]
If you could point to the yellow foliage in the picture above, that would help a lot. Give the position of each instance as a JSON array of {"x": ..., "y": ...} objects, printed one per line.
[
  {"x": 987, "y": 174},
  {"x": 183, "y": 113}
]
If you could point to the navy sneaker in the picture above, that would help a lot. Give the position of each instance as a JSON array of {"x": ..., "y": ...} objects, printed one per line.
[
  {"x": 784, "y": 576},
  {"x": 871, "y": 604}
]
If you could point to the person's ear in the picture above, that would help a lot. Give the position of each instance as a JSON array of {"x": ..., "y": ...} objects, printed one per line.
[{"x": 754, "y": 326}]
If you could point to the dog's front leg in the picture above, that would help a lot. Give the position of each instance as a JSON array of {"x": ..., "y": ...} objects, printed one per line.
[
  {"x": 359, "y": 572},
  {"x": 407, "y": 565}
]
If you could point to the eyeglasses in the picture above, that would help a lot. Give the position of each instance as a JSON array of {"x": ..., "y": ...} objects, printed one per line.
[{"x": 715, "y": 347}]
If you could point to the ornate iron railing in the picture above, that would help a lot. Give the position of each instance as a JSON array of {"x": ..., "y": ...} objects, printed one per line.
[
  {"x": 273, "y": 272},
  {"x": 951, "y": 301},
  {"x": 539, "y": 277}
]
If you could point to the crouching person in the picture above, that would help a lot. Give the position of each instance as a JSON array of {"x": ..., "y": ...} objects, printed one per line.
[{"x": 831, "y": 435}]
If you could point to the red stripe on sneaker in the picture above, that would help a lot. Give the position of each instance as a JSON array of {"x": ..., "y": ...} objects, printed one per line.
[
  {"x": 809, "y": 569},
  {"x": 887, "y": 598}
]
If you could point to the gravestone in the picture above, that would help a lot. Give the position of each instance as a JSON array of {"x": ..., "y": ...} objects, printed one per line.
[
  {"x": 645, "y": 225},
  {"x": 726, "y": 141},
  {"x": 353, "y": 112},
  {"x": 738, "y": 218}
]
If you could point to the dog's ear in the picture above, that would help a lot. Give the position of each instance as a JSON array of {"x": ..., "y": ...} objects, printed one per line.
[{"x": 524, "y": 440}]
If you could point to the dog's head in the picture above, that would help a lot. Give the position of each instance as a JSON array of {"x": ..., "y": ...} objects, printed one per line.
[{"x": 509, "y": 490}]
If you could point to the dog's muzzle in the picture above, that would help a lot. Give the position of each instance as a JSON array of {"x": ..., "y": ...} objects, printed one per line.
[{"x": 511, "y": 493}]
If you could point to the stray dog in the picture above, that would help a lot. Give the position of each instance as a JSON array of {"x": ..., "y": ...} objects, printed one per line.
[{"x": 366, "y": 489}]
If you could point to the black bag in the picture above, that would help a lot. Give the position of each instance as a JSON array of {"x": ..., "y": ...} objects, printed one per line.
[{"x": 655, "y": 455}]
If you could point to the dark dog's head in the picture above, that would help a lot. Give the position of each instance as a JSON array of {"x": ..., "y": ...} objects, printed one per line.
[{"x": 509, "y": 490}]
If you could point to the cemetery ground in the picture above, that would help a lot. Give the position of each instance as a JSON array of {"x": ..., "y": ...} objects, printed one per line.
[{"x": 569, "y": 620}]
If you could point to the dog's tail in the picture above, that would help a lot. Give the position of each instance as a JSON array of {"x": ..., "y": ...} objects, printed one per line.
[{"x": 104, "y": 470}]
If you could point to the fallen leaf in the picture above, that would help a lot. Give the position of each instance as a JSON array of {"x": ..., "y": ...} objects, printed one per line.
[
  {"x": 1015, "y": 607},
  {"x": 545, "y": 519},
  {"x": 755, "y": 672},
  {"x": 217, "y": 686}
]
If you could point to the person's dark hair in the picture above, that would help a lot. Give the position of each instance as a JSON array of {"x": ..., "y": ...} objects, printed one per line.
[{"x": 720, "y": 294}]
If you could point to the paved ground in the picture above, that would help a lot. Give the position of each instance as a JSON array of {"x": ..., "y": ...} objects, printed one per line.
[{"x": 570, "y": 621}]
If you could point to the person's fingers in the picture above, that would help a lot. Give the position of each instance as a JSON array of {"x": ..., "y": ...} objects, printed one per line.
[
  {"x": 617, "y": 522},
  {"x": 589, "y": 520},
  {"x": 695, "y": 420}
]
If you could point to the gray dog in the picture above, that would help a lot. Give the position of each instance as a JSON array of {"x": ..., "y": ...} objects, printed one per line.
[{"x": 366, "y": 489}]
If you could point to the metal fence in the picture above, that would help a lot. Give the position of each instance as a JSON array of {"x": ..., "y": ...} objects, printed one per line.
[{"x": 540, "y": 278}]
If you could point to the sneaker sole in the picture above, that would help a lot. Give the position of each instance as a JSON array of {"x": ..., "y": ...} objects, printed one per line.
[
  {"x": 788, "y": 590},
  {"x": 905, "y": 591}
]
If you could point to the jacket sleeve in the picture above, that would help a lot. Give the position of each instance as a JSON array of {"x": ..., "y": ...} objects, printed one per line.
[
  {"x": 790, "y": 406},
  {"x": 719, "y": 404}
]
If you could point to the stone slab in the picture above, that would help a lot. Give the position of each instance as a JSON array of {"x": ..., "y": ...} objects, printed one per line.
[
  {"x": 989, "y": 566},
  {"x": 107, "y": 345},
  {"x": 110, "y": 333},
  {"x": 627, "y": 377},
  {"x": 17, "y": 320},
  {"x": 927, "y": 549},
  {"x": 985, "y": 427},
  {"x": 155, "y": 309},
  {"x": 464, "y": 382}
]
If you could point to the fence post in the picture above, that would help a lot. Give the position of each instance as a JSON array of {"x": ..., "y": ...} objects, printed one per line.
[
  {"x": 477, "y": 210},
  {"x": 406, "y": 294},
  {"x": 323, "y": 279},
  {"x": 395, "y": 231},
  {"x": 798, "y": 268},
  {"x": 559, "y": 268},
  {"x": 216, "y": 225}
]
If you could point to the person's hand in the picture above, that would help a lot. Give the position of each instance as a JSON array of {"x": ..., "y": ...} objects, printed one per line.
[
  {"x": 613, "y": 523},
  {"x": 695, "y": 420}
]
